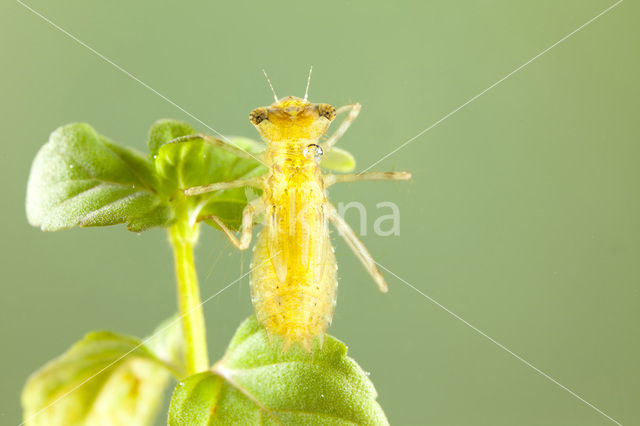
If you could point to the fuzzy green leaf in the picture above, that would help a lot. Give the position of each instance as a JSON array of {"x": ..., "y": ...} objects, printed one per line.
[
  {"x": 80, "y": 178},
  {"x": 195, "y": 162},
  {"x": 338, "y": 160},
  {"x": 105, "y": 379},
  {"x": 255, "y": 383}
]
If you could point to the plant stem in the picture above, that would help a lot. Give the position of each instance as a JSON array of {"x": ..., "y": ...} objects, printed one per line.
[{"x": 183, "y": 237}]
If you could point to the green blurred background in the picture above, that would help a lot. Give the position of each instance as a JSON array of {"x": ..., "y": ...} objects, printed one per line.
[{"x": 523, "y": 216}]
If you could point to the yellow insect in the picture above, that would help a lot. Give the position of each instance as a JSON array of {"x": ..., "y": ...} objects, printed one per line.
[{"x": 294, "y": 271}]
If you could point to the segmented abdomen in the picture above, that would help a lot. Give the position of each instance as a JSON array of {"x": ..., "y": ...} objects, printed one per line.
[{"x": 299, "y": 303}]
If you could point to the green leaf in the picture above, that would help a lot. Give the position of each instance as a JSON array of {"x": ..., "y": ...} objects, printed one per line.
[
  {"x": 338, "y": 160},
  {"x": 255, "y": 383},
  {"x": 80, "y": 178},
  {"x": 195, "y": 162},
  {"x": 104, "y": 379}
]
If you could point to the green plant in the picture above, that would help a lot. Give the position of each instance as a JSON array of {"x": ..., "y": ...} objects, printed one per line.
[{"x": 80, "y": 178}]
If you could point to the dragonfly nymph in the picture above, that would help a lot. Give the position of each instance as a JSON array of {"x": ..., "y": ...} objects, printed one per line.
[{"x": 294, "y": 271}]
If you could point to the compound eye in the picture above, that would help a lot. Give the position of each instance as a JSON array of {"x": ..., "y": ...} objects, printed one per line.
[
  {"x": 258, "y": 115},
  {"x": 327, "y": 111},
  {"x": 313, "y": 152}
]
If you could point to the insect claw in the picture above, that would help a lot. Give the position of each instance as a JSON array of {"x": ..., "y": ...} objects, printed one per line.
[
  {"x": 306, "y": 344},
  {"x": 321, "y": 340},
  {"x": 268, "y": 337},
  {"x": 287, "y": 344}
]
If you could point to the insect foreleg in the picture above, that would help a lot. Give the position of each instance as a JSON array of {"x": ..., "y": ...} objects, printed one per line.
[
  {"x": 226, "y": 145},
  {"x": 252, "y": 208},
  {"x": 255, "y": 182},
  {"x": 358, "y": 248},
  {"x": 331, "y": 179},
  {"x": 354, "y": 110}
]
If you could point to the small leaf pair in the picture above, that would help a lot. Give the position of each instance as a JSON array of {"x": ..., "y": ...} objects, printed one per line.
[{"x": 80, "y": 178}]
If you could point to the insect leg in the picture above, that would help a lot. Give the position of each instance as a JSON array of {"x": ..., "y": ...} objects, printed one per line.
[
  {"x": 354, "y": 110},
  {"x": 252, "y": 208},
  {"x": 331, "y": 179},
  {"x": 255, "y": 182},
  {"x": 226, "y": 145},
  {"x": 358, "y": 248}
]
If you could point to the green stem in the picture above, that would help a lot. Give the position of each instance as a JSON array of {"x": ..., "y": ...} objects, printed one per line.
[{"x": 183, "y": 237}]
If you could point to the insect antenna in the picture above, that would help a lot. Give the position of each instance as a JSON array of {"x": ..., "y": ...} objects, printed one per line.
[
  {"x": 306, "y": 92},
  {"x": 270, "y": 85}
]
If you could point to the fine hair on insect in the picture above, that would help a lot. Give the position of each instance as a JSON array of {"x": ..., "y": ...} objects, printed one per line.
[{"x": 294, "y": 271}]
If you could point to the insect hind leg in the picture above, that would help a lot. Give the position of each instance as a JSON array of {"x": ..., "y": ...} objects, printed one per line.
[
  {"x": 358, "y": 248},
  {"x": 251, "y": 209}
]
